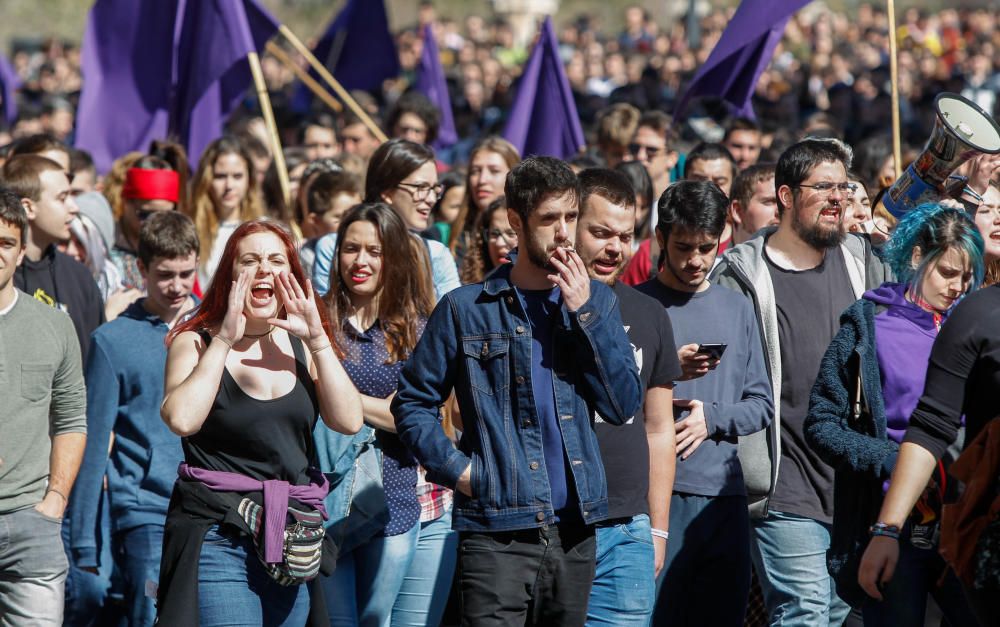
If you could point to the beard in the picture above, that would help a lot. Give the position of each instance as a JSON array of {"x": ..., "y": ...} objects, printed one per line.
[
  {"x": 537, "y": 253},
  {"x": 819, "y": 236}
]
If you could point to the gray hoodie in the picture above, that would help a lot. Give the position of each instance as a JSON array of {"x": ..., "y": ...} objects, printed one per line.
[{"x": 743, "y": 269}]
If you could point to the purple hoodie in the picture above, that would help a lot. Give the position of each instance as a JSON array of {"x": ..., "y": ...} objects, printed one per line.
[{"x": 904, "y": 335}]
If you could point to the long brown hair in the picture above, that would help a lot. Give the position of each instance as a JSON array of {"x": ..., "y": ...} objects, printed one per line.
[
  {"x": 469, "y": 212},
  {"x": 406, "y": 292},
  {"x": 203, "y": 204},
  {"x": 213, "y": 307},
  {"x": 476, "y": 263}
]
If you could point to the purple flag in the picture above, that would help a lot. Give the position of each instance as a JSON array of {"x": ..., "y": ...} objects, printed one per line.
[
  {"x": 543, "y": 119},
  {"x": 159, "y": 68},
  {"x": 431, "y": 83},
  {"x": 10, "y": 82},
  {"x": 357, "y": 48},
  {"x": 742, "y": 54}
]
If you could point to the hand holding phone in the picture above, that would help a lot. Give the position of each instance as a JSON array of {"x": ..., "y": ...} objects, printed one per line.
[
  {"x": 696, "y": 362},
  {"x": 714, "y": 351}
]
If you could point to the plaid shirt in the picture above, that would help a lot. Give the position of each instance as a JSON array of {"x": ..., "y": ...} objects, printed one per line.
[{"x": 434, "y": 500}]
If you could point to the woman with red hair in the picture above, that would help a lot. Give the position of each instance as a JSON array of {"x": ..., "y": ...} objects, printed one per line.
[{"x": 246, "y": 377}]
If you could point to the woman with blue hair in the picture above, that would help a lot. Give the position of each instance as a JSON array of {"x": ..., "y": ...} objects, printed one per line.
[{"x": 868, "y": 385}]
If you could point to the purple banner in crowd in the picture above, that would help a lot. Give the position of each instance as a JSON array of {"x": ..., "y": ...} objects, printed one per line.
[
  {"x": 742, "y": 54},
  {"x": 357, "y": 48},
  {"x": 9, "y": 84},
  {"x": 159, "y": 68},
  {"x": 431, "y": 83},
  {"x": 543, "y": 119}
]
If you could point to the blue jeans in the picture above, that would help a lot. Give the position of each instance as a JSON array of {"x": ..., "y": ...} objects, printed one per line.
[
  {"x": 425, "y": 588},
  {"x": 624, "y": 583},
  {"x": 363, "y": 588},
  {"x": 916, "y": 575},
  {"x": 88, "y": 595},
  {"x": 789, "y": 555},
  {"x": 137, "y": 557},
  {"x": 706, "y": 574},
  {"x": 234, "y": 589}
]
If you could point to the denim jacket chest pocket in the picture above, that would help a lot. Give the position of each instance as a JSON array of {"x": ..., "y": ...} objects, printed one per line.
[{"x": 487, "y": 363}]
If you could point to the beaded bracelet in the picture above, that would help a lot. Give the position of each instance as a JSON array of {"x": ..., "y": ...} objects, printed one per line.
[
  {"x": 882, "y": 529},
  {"x": 659, "y": 533}
]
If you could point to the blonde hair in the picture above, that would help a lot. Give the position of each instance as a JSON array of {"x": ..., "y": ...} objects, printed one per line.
[{"x": 203, "y": 204}]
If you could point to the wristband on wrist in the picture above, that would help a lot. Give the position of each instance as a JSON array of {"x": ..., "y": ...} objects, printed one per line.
[
  {"x": 659, "y": 533},
  {"x": 321, "y": 348},
  {"x": 65, "y": 500},
  {"x": 224, "y": 341},
  {"x": 883, "y": 529},
  {"x": 968, "y": 191}
]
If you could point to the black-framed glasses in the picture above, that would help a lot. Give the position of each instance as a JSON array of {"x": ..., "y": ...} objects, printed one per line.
[
  {"x": 507, "y": 235},
  {"x": 825, "y": 189},
  {"x": 420, "y": 191},
  {"x": 651, "y": 151}
]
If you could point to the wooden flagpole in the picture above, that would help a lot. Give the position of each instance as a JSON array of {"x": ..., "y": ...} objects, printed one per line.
[
  {"x": 332, "y": 82},
  {"x": 272, "y": 126},
  {"x": 894, "y": 80},
  {"x": 310, "y": 82}
]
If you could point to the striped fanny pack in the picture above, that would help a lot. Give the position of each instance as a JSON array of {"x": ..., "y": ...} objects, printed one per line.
[{"x": 302, "y": 548}]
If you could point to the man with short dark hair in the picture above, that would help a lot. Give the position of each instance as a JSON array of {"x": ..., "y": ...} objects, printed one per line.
[
  {"x": 318, "y": 137},
  {"x": 638, "y": 456},
  {"x": 125, "y": 373},
  {"x": 653, "y": 146},
  {"x": 753, "y": 204},
  {"x": 724, "y": 393},
  {"x": 355, "y": 136},
  {"x": 43, "y": 145},
  {"x": 712, "y": 162},
  {"x": 742, "y": 139},
  {"x": 530, "y": 354},
  {"x": 46, "y": 274},
  {"x": 43, "y": 426},
  {"x": 800, "y": 276},
  {"x": 415, "y": 118}
]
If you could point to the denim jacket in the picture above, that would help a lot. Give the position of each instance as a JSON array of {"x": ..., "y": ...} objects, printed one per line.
[{"x": 478, "y": 341}]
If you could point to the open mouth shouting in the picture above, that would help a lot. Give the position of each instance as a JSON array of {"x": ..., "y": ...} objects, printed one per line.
[
  {"x": 831, "y": 213},
  {"x": 261, "y": 294},
  {"x": 604, "y": 266}
]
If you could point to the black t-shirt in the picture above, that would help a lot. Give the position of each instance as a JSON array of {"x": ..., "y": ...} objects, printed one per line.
[
  {"x": 809, "y": 304},
  {"x": 963, "y": 375},
  {"x": 624, "y": 448}
]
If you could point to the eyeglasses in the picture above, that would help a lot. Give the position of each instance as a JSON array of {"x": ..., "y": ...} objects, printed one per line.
[
  {"x": 651, "y": 151},
  {"x": 825, "y": 189},
  {"x": 509, "y": 235},
  {"x": 421, "y": 191}
]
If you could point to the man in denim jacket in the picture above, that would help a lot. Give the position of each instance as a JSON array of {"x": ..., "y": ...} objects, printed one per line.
[{"x": 531, "y": 353}]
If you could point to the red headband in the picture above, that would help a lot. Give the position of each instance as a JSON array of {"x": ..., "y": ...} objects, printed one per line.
[{"x": 151, "y": 185}]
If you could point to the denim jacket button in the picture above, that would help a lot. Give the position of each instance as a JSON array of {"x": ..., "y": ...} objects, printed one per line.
[
  {"x": 520, "y": 380},
  {"x": 509, "y": 300},
  {"x": 520, "y": 330},
  {"x": 585, "y": 316},
  {"x": 540, "y": 516},
  {"x": 533, "y": 465}
]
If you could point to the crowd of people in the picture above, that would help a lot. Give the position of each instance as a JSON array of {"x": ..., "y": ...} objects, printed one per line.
[{"x": 695, "y": 365}]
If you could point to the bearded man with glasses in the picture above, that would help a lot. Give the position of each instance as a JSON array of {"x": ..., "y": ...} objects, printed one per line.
[{"x": 800, "y": 276}]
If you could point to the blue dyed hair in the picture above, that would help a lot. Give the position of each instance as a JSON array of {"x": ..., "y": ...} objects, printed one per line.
[{"x": 934, "y": 229}]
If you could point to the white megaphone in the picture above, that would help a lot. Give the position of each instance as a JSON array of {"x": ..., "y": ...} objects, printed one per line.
[{"x": 961, "y": 131}]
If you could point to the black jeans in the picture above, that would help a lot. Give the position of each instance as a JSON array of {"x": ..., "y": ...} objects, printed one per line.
[{"x": 530, "y": 577}]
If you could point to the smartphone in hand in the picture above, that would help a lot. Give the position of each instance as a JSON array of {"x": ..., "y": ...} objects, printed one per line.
[{"x": 714, "y": 351}]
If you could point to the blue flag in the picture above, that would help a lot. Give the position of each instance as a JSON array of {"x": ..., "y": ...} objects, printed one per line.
[
  {"x": 742, "y": 54},
  {"x": 164, "y": 68},
  {"x": 357, "y": 48},
  {"x": 543, "y": 120},
  {"x": 431, "y": 83},
  {"x": 10, "y": 82}
]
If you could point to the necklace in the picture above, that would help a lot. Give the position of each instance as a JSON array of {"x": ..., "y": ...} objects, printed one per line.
[{"x": 255, "y": 337}]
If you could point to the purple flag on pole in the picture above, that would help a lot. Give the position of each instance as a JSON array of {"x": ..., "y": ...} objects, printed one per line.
[
  {"x": 742, "y": 54},
  {"x": 159, "y": 68},
  {"x": 357, "y": 48},
  {"x": 431, "y": 83},
  {"x": 9, "y": 84},
  {"x": 543, "y": 119}
]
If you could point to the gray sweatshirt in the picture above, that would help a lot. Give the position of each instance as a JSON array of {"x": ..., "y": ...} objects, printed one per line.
[{"x": 41, "y": 376}]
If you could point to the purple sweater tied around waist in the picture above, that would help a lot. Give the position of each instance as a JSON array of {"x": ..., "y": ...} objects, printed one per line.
[{"x": 276, "y": 495}]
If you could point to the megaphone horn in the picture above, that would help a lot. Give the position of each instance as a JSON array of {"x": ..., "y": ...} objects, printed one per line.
[{"x": 962, "y": 130}]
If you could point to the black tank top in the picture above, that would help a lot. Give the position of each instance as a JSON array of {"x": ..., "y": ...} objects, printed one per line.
[{"x": 260, "y": 439}]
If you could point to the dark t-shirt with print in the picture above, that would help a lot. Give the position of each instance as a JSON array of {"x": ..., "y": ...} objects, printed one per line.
[
  {"x": 624, "y": 449},
  {"x": 809, "y": 304}
]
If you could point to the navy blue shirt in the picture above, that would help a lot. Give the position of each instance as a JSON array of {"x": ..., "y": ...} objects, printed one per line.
[
  {"x": 364, "y": 361},
  {"x": 543, "y": 309}
]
